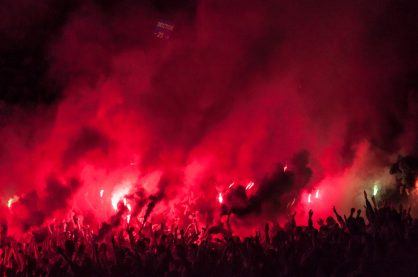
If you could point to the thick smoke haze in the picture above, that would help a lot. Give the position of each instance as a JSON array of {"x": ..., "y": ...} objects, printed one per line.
[{"x": 241, "y": 89}]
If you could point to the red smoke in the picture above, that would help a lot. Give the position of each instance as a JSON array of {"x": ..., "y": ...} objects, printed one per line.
[{"x": 238, "y": 91}]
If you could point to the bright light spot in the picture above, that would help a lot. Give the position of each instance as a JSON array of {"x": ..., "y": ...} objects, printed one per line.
[
  {"x": 118, "y": 195},
  {"x": 128, "y": 218},
  {"x": 129, "y": 207},
  {"x": 220, "y": 198},
  {"x": 11, "y": 201},
  {"x": 101, "y": 193},
  {"x": 285, "y": 168},
  {"x": 249, "y": 186},
  {"x": 309, "y": 198},
  {"x": 317, "y": 193},
  {"x": 231, "y": 185},
  {"x": 375, "y": 190}
]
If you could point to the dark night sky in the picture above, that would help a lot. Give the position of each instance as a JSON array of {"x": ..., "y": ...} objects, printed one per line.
[{"x": 27, "y": 29}]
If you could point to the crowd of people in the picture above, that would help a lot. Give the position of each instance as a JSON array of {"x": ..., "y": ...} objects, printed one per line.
[{"x": 382, "y": 241}]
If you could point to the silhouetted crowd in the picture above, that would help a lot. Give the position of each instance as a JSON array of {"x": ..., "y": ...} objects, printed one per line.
[{"x": 384, "y": 243}]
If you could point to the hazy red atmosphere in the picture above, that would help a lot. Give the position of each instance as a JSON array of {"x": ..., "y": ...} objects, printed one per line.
[{"x": 258, "y": 109}]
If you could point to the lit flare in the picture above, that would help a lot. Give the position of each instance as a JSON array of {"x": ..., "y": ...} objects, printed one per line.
[
  {"x": 12, "y": 200},
  {"x": 375, "y": 190},
  {"x": 220, "y": 198},
  {"x": 249, "y": 186}
]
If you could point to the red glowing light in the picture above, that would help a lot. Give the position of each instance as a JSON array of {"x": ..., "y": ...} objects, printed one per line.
[
  {"x": 249, "y": 186},
  {"x": 285, "y": 168},
  {"x": 231, "y": 185},
  {"x": 101, "y": 193},
  {"x": 11, "y": 201},
  {"x": 220, "y": 198},
  {"x": 118, "y": 195},
  {"x": 309, "y": 198},
  {"x": 317, "y": 193},
  {"x": 293, "y": 201}
]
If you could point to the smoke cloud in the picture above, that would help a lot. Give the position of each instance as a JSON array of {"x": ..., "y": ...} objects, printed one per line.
[{"x": 239, "y": 90}]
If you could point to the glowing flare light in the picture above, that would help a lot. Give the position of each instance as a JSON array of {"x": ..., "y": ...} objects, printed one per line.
[
  {"x": 117, "y": 196},
  {"x": 11, "y": 201},
  {"x": 317, "y": 193},
  {"x": 220, "y": 198},
  {"x": 375, "y": 190},
  {"x": 249, "y": 186}
]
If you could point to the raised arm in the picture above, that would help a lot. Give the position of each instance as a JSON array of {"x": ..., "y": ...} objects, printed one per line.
[
  {"x": 339, "y": 218},
  {"x": 374, "y": 203},
  {"x": 369, "y": 210},
  {"x": 310, "y": 222}
]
